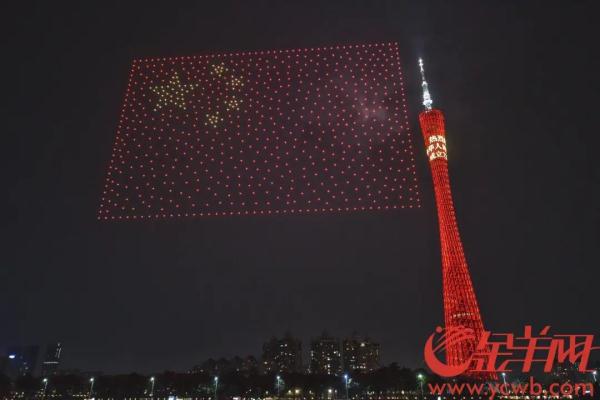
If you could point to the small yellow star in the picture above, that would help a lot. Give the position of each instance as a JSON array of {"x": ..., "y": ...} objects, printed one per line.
[
  {"x": 218, "y": 69},
  {"x": 213, "y": 119},
  {"x": 233, "y": 104},
  {"x": 235, "y": 82},
  {"x": 173, "y": 93}
]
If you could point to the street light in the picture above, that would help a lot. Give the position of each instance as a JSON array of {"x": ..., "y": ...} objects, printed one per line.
[
  {"x": 594, "y": 372},
  {"x": 420, "y": 377},
  {"x": 504, "y": 378},
  {"x": 91, "y": 386},
  {"x": 152, "y": 388},
  {"x": 278, "y": 385},
  {"x": 330, "y": 391},
  {"x": 45, "y": 380},
  {"x": 346, "y": 384},
  {"x": 216, "y": 386}
]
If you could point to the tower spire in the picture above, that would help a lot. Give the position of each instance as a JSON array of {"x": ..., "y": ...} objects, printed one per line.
[{"x": 427, "y": 102}]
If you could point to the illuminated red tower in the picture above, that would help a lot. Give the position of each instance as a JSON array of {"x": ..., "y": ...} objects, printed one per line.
[{"x": 460, "y": 303}]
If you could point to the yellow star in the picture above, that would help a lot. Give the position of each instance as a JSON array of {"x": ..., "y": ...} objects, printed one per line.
[
  {"x": 218, "y": 69},
  {"x": 213, "y": 119},
  {"x": 173, "y": 93},
  {"x": 233, "y": 104},
  {"x": 235, "y": 82}
]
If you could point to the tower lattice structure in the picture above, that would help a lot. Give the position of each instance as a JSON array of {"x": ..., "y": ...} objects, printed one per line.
[{"x": 460, "y": 304}]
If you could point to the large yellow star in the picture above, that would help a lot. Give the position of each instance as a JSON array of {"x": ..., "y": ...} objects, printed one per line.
[{"x": 173, "y": 93}]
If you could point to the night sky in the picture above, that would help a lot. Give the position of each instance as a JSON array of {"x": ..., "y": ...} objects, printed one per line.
[{"x": 517, "y": 85}]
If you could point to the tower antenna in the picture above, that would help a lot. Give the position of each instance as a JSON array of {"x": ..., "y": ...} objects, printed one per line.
[{"x": 427, "y": 102}]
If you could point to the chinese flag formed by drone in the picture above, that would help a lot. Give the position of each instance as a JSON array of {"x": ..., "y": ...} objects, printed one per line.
[{"x": 257, "y": 133}]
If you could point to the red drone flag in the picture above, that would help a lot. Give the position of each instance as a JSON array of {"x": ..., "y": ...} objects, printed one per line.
[{"x": 268, "y": 132}]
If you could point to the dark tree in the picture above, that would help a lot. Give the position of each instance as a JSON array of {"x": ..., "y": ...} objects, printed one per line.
[{"x": 5, "y": 385}]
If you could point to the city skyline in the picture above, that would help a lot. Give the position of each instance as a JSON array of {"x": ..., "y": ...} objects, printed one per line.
[{"x": 282, "y": 354}]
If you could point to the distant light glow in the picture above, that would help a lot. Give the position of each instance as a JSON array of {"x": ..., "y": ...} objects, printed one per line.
[
  {"x": 314, "y": 130},
  {"x": 11, "y": 356}
]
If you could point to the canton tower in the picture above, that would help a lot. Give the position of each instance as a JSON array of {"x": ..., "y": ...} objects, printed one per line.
[{"x": 460, "y": 304}]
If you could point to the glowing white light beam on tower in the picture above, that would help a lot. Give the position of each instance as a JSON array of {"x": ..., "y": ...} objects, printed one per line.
[{"x": 427, "y": 102}]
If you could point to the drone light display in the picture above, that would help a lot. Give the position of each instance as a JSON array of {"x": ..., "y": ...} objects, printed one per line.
[{"x": 312, "y": 130}]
